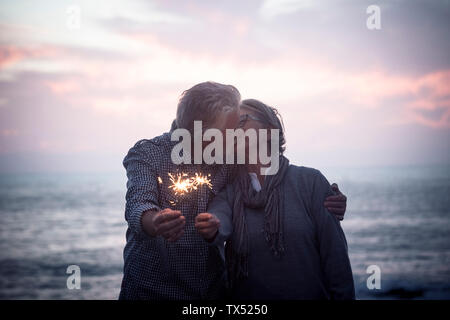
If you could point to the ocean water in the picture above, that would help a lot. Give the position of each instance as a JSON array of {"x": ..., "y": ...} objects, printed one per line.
[{"x": 397, "y": 219}]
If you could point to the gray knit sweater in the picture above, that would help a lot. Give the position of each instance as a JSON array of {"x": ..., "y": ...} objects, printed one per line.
[{"x": 315, "y": 264}]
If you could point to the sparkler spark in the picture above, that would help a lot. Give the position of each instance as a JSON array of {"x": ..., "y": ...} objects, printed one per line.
[
  {"x": 182, "y": 183},
  {"x": 179, "y": 184},
  {"x": 200, "y": 180}
]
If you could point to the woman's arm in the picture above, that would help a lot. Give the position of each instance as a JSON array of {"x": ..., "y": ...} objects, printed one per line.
[
  {"x": 220, "y": 219},
  {"x": 332, "y": 244}
]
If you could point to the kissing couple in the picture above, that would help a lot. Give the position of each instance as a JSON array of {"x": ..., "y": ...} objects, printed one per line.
[{"x": 242, "y": 235}]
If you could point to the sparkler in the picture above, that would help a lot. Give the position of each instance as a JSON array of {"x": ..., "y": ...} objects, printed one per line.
[
  {"x": 200, "y": 180},
  {"x": 182, "y": 183}
]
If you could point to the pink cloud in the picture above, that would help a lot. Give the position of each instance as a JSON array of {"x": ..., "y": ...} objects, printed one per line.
[
  {"x": 63, "y": 86},
  {"x": 11, "y": 54},
  {"x": 437, "y": 82},
  {"x": 9, "y": 132},
  {"x": 432, "y": 93},
  {"x": 429, "y": 92}
]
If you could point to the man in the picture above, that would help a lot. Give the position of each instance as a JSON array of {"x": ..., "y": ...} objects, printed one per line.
[{"x": 165, "y": 256}]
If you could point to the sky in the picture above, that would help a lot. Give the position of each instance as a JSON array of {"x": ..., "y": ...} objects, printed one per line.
[{"x": 82, "y": 81}]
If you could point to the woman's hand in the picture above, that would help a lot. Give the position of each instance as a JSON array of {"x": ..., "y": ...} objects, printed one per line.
[
  {"x": 207, "y": 225},
  {"x": 336, "y": 204}
]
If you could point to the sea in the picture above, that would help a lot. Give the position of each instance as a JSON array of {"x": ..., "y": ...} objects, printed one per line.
[{"x": 397, "y": 219}]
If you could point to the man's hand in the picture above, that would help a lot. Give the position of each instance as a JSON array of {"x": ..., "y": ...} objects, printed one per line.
[
  {"x": 336, "y": 204},
  {"x": 167, "y": 223},
  {"x": 207, "y": 225}
]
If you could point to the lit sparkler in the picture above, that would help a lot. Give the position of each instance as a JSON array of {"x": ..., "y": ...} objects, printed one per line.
[
  {"x": 200, "y": 180},
  {"x": 182, "y": 183}
]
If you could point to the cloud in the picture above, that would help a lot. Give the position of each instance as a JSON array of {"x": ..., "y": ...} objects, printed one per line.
[
  {"x": 138, "y": 11},
  {"x": 420, "y": 95},
  {"x": 273, "y": 8},
  {"x": 64, "y": 86},
  {"x": 118, "y": 80},
  {"x": 11, "y": 54},
  {"x": 9, "y": 132}
]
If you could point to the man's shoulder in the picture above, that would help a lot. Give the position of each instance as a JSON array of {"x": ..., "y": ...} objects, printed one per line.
[
  {"x": 150, "y": 149},
  {"x": 158, "y": 141}
]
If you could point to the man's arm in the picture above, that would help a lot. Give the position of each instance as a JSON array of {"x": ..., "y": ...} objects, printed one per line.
[
  {"x": 142, "y": 211},
  {"x": 332, "y": 244},
  {"x": 337, "y": 203}
]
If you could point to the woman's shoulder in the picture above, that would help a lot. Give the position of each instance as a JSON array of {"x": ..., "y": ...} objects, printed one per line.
[
  {"x": 303, "y": 172},
  {"x": 226, "y": 193},
  {"x": 305, "y": 178}
]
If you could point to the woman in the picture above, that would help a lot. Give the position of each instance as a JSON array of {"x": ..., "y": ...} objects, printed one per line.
[{"x": 281, "y": 241}]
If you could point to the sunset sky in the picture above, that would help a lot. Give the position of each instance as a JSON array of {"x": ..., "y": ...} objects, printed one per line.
[{"x": 77, "y": 97}]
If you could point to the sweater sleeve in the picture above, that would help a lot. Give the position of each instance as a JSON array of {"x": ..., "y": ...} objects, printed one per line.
[
  {"x": 220, "y": 207},
  {"x": 142, "y": 187},
  {"x": 332, "y": 244}
]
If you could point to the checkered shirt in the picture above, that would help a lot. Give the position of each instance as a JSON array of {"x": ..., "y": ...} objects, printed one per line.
[{"x": 154, "y": 268}]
